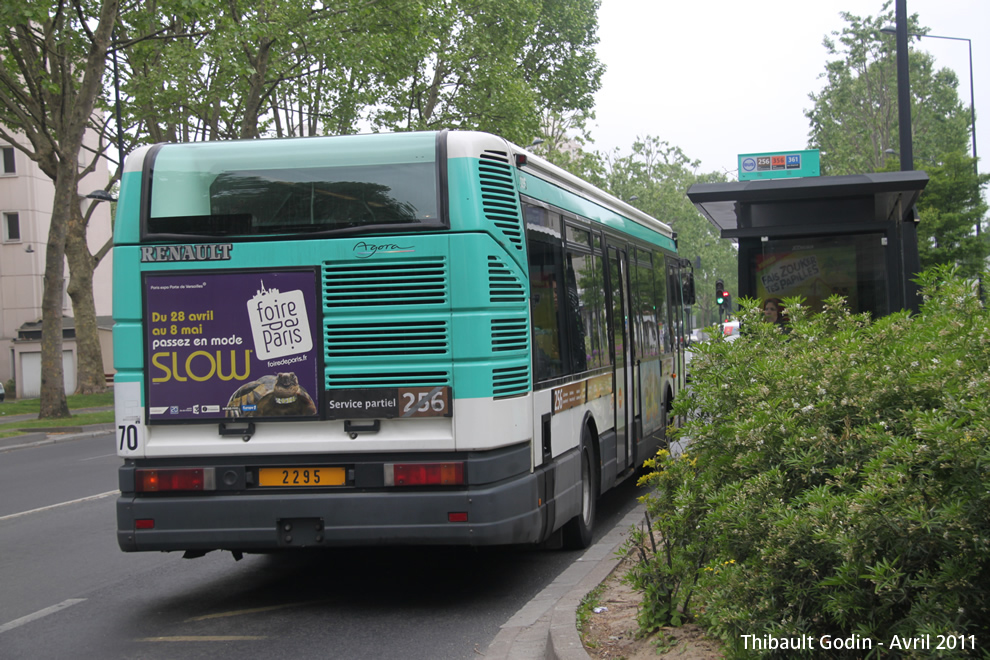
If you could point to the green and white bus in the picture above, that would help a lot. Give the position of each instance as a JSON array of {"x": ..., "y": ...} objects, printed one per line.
[{"x": 410, "y": 338}]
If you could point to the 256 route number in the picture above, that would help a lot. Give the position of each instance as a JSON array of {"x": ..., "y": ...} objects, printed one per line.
[{"x": 428, "y": 402}]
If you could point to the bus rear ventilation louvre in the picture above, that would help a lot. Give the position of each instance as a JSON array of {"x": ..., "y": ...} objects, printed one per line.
[
  {"x": 503, "y": 285},
  {"x": 509, "y": 335},
  {"x": 413, "y": 338},
  {"x": 510, "y": 381},
  {"x": 389, "y": 379},
  {"x": 499, "y": 201},
  {"x": 421, "y": 281}
]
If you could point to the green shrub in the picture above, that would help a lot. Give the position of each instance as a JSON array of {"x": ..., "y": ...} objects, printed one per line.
[{"x": 837, "y": 481}]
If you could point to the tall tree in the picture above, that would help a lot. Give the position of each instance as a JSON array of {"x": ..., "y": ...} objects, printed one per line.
[
  {"x": 495, "y": 65},
  {"x": 90, "y": 373},
  {"x": 301, "y": 67},
  {"x": 950, "y": 208},
  {"x": 854, "y": 122},
  {"x": 278, "y": 68},
  {"x": 51, "y": 91},
  {"x": 50, "y": 78}
]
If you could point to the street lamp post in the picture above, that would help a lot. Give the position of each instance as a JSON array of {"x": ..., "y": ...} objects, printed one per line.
[
  {"x": 907, "y": 238},
  {"x": 972, "y": 90},
  {"x": 903, "y": 87},
  {"x": 903, "y": 91}
]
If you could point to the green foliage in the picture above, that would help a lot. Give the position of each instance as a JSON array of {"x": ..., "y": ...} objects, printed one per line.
[
  {"x": 671, "y": 552},
  {"x": 950, "y": 208},
  {"x": 14, "y": 429},
  {"x": 837, "y": 480},
  {"x": 75, "y": 402},
  {"x": 495, "y": 65},
  {"x": 281, "y": 68},
  {"x": 298, "y": 67},
  {"x": 854, "y": 122}
]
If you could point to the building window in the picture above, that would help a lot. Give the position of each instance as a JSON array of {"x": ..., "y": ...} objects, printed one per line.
[
  {"x": 11, "y": 228},
  {"x": 8, "y": 160}
]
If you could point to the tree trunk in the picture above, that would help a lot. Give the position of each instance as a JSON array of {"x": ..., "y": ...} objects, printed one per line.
[
  {"x": 53, "y": 403},
  {"x": 89, "y": 369},
  {"x": 72, "y": 110}
]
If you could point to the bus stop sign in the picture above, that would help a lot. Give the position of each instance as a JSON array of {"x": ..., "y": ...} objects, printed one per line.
[{"x": 779, "y": 165}]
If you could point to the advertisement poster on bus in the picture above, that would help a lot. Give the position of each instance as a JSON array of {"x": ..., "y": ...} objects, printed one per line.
[
  {"x": 814, "y": 273},
  {"x": 224, "y": 345}
]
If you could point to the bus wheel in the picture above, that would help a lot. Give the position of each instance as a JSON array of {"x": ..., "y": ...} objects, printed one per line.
[{"x": 578, "y": 530}]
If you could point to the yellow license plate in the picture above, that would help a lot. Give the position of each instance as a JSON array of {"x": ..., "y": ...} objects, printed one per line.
[{"x": 302, "y": 476}]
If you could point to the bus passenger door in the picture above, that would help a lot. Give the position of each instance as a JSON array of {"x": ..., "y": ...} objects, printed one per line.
[
  {"x": 622, "y": 342},
  {"x": 676, "y": 320}
]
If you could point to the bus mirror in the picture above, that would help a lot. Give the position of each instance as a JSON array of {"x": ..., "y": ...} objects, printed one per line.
[{"x": 687, "y": 288}]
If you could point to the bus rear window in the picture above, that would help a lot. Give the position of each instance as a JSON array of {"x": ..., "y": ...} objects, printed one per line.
[{"x": 242, "y": 188}]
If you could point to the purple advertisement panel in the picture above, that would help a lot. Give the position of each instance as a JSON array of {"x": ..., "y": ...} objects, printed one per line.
[{"x": 225, "y": 345}]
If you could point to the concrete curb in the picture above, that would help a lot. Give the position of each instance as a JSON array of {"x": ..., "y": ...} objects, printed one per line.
[{"x": 546, "y": 627}]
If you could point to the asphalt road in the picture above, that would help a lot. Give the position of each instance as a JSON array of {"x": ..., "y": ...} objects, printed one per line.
[{"x": 67, "y": 591}]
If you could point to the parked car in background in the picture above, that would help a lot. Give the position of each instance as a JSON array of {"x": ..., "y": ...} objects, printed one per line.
[{"x": 1, "y": 393}]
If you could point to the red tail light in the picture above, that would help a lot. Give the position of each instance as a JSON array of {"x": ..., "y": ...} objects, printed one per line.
[
  {"x": 424, "y": 474},
  {"x": 173, "y": 479}
]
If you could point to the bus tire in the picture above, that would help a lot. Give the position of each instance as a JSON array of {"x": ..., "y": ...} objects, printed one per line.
[{"x": 578, "y": 530}]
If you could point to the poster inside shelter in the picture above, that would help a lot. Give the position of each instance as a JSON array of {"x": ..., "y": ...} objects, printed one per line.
[
  {"x": 232, "y": 344},
  {"x": 815, "y": 273}
]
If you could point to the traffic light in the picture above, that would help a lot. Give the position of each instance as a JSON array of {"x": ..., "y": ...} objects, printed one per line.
[{"x": 720, "y": 292}]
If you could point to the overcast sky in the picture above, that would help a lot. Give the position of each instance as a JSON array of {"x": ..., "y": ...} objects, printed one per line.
[{"x": 718, "y": 78}]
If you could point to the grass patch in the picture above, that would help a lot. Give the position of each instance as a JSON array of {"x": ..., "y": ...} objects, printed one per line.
[
  {"x": 588, "y": 604},
  {"x": 33, "y": 406},
  {"x": 75, "y": 401}
]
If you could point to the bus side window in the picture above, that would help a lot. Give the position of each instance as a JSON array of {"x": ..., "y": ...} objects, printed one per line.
[
  {"x": 645, "y": 306},
  {"x": 577, "y": 339},
  {"x": 586, "y": 310},
  {"x": 662, "y": 307},
  {"x": 546, "y": 279},
  {"x": 600, "y": 304},
  {"x": 582, "y": 291}
]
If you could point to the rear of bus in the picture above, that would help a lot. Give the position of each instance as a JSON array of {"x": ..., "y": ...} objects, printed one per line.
[{"x": 324, "y": 341}]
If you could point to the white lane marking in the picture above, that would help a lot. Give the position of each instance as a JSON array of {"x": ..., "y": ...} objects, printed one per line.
[
  {"x": 203, "y": 638},
  {"x": 96, "y": 458},
  {"x": 55, "y": 506},
  {"x": 39, "y": 614}
]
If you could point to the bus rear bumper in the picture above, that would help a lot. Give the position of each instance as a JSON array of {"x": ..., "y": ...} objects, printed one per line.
[{"x": 515, "y": 511}]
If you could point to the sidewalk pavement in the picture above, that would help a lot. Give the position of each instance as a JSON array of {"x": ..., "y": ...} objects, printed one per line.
[
  {"x": 546, "y": 627},
  {"x": 543, "y": 629}
]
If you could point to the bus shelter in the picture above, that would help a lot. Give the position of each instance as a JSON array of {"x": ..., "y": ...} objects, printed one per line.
[{"x": 853, "y": 235}]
